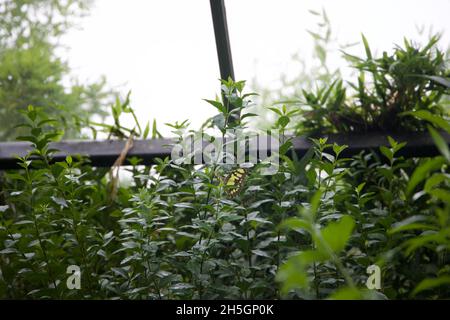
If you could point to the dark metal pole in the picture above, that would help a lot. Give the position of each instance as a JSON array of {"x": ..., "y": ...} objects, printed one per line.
[
  {"x": 219, "y": 17},
  {"x": 104, "y": 153}
]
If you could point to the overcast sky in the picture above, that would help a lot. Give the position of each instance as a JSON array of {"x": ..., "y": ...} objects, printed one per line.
[{"x": 164, "y": 51}]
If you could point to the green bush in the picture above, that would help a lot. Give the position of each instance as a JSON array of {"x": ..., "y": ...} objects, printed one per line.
[
  {"x": 411, "y": 79},
  {"x": 309, "y": 231}
]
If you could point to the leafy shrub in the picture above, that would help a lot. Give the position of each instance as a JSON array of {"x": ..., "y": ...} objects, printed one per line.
[
  {"x": 308, "y": 231},
  {"x": 411, "y": 79}
]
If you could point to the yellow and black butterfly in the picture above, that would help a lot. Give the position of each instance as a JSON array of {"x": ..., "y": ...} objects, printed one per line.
[{"x": 234, "y": 182}]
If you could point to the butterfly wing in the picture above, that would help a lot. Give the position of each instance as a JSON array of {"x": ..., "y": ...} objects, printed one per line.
[{"x": 235, "y": 181}]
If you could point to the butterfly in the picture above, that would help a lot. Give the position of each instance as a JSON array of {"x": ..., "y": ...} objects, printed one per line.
[{"x": 235, "y": 181}]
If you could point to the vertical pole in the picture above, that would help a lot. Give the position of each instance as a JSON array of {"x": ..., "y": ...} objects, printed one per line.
[{"x": 219, "y": 17}]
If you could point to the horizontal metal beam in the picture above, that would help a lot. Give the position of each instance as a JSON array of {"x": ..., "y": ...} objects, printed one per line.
[
  {"x": 417, "y": 144},
  {"x": 104, "y": 153}
]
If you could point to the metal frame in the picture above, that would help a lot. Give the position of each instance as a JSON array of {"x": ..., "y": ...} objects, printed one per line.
[
  {"x": 219, "y": 16},
  {"x": 104, "y": 153}
]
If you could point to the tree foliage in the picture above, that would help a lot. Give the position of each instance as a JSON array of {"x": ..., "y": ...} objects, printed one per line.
[{"x": 31, "y": 73}]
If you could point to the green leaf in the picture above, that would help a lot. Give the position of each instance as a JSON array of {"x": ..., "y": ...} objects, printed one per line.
[
  {"x": 218, "y": 105},
  {"x": 146, "y": 130},
  {"x": 410, "y": 223},
  {"x": 423, "y": 240},
  {"x": 428, "y": 116},
  {"x": 441, "y": 80},
  {"x": 59, "y": 201},
  {"x": 441, "y": 194},
  {"x": 32, "y": 114},
  {"x": 360, "y": 187},
  {"x": 421, "y": 172},
  {"x": 219, "y": 121},
  {"x": 346, "y": 294},
  {"x": 285, "y": 147},
  {"x": 387, "y": 153},
  {"x": 295, "y": 223},
  {"x": 8, "y": 250},
  {"x": 261, "y": 253},
  {"x": 434, "y": 181},
  {"x": 441, "y": 144},
  {"x": 259, "y": 203},
  {"x": 321, "y": 53},
  {"x": 337, "y": 234},
  {"x": 27, "y": 138},
  {"x": 155, "y": 132},
  {"x": 315, "y": 35},
  {"x": 315, "y": 202},
  {"x": 185, "y": 205},
  {"x": 249, "y": 95},
  {"x": 15, "y": 176},
  {"x": 283, "y": 121},
  {"x": 366, "y": 47},
  {"x": 398, "y": 147},
  {"x": 248, "y": 115},
  {"x": 293, "y": 275},
  {"x": 431, "y": 283},
  {"x": 338, "y": 149},
  {"x": 276, "y": 111}
]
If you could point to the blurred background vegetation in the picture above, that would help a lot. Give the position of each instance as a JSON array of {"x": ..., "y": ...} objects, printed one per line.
[{"x": 33, "y": 73}]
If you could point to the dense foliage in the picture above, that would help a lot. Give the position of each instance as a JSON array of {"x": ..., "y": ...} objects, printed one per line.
[
  {"x": 309, "y": 231},
  {"x": 411, "y": 79},
  {"x": 377, "y": 95}
]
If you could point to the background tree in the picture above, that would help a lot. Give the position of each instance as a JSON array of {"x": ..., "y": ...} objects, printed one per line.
[{"x": 31, "y": 72}]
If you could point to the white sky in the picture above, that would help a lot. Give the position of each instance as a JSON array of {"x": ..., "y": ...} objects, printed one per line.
[{"x": 164, "y": 51}]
